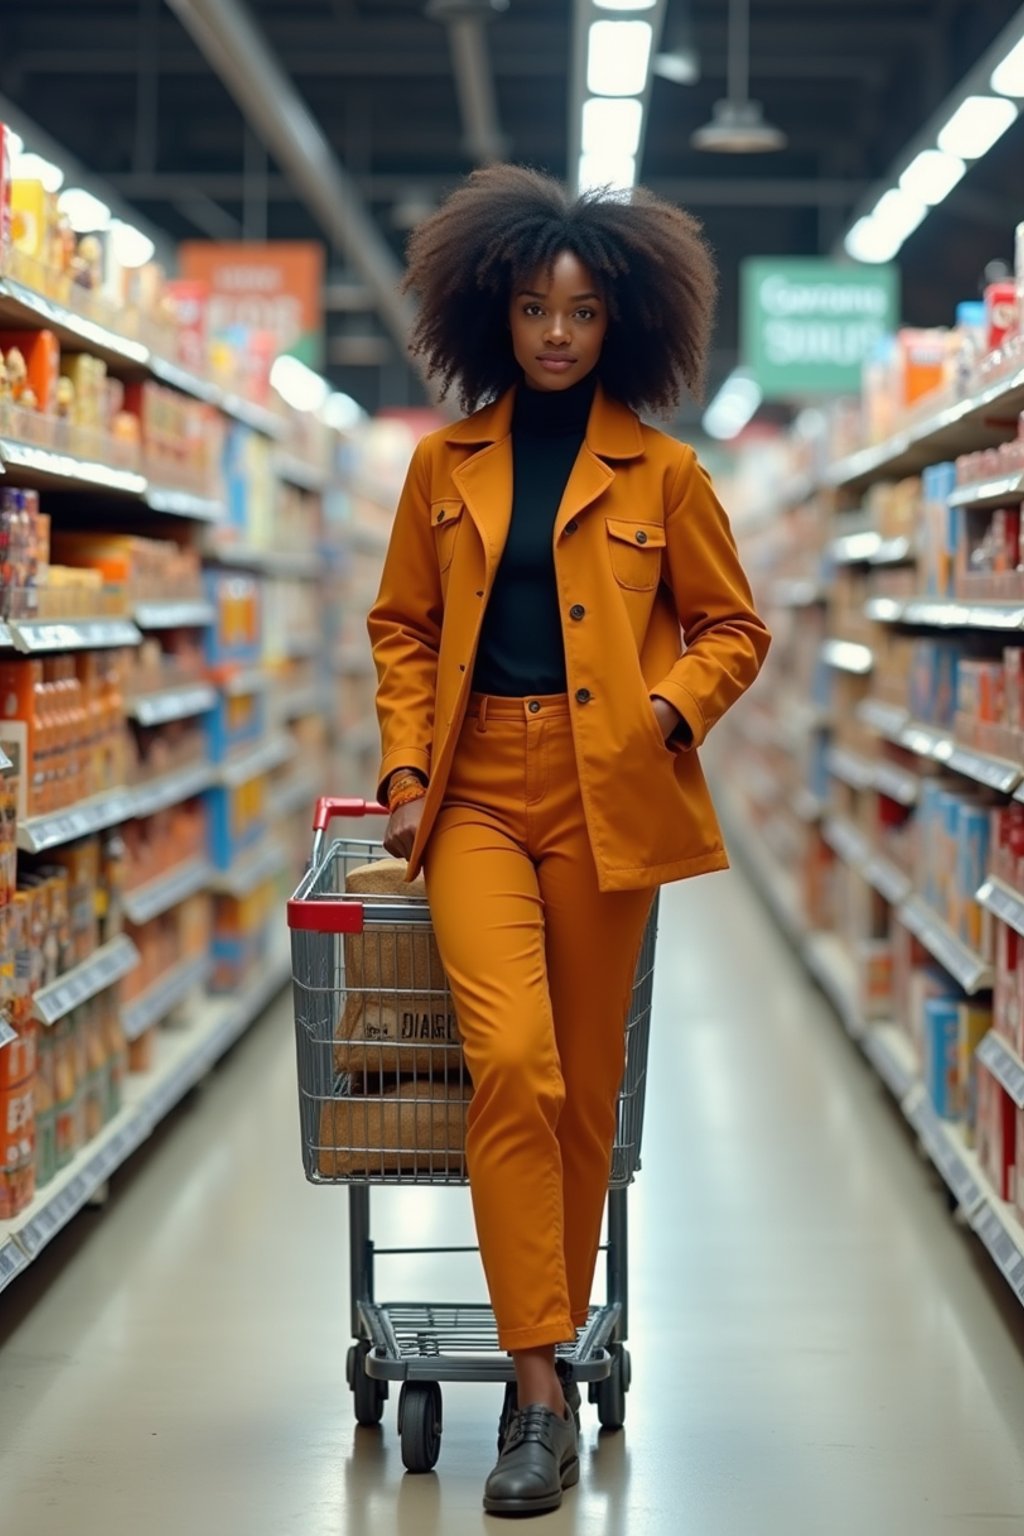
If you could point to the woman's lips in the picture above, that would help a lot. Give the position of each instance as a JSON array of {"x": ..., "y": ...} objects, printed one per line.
[{"x": 556, "y": 364}]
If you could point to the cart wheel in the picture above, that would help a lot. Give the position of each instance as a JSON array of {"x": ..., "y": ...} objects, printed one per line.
[
  {"x": 610, "y": 1394},
  {"x": 369, "y": 1396},
  {"x": 419, "y": 1418}
]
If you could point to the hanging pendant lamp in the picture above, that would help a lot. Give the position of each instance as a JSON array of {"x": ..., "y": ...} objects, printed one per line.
[{"x": 737, "y": 125}]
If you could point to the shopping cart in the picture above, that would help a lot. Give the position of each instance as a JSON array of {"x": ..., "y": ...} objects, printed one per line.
[{"x": 382, "y": 1099}]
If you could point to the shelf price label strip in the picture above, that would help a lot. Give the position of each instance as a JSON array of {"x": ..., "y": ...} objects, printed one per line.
[
  {"x": 184, "y": 615},
  {"x": 107, "y": 966},
  {"x": 166, "y": 994},
  {"x": 972, "y": 972},
  {"x": 1002, "y": 1248},
  {"x": 39, "y": 636},
  {"x": 1002, "y": 902},
  {"x": 1004, "y": 1066},
  {"x": 887, "y": 720},
  {"x": 148, "y": 901},
  {"x": 943, "y": 1153},
  {"x": 173, "y": 704},
  {"x": 12, "y": 1261},
  {"x": 898, "y": 1077}
]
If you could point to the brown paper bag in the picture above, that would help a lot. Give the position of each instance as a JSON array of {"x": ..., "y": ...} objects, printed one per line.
[
  {"x": 398, "y": 1017},
  {"x": 414, "y": 1129}
]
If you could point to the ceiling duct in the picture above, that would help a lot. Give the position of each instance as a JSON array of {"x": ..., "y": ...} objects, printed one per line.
[{"x": 467, "y": 21}]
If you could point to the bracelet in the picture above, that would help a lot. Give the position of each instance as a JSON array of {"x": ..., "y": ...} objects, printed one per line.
[{"x": 406, "y": 794}]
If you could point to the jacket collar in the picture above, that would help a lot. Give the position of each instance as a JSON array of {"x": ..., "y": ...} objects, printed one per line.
[{"x": 613, "y": 430}]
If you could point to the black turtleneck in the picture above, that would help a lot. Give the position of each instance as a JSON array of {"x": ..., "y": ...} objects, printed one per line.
[{"x": 521, "y": 647}]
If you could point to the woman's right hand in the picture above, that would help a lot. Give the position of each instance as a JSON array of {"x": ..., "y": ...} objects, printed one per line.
[{"x": 403, "y": 825}]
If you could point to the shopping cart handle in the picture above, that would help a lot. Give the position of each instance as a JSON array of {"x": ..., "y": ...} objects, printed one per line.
[{"x": 329, "y": 806}]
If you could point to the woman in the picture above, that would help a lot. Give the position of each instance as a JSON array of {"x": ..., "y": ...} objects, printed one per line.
[{"x": 540, "y": 712}]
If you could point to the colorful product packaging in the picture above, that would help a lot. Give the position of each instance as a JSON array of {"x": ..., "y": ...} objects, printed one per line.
[
  {"x": 997, "y": 1134},
  {"x": 975, "y": 1023},
  {"x": 941, "y": 1062}
]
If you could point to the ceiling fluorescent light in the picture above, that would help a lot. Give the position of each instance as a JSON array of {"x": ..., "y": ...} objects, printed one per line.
[
  {"x": 607, "y": 170},
  {"x": 619, "y": 57},
  {"x": 733, "y": 407},
  {"x": 1008, "y": 77},
  {"x": 86, "y": 214},
  {"x": 341, "y": 412},
  {"x": 932, "y": 176},
  {"x": 898, "y": 215},
  {"x": 30, "y": 167},
  {"x": 625, "y": 5},
  {"x": 976, "y": 125},
  {"x": 611, "y": 125},
  {"x": 868, "y": 242},
  {"x": 298, "y": 385},
  {"x": 130, "y": 246}
]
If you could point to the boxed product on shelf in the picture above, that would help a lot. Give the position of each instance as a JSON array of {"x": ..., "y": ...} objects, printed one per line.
[
  {"x": 173, "y": 659},
  {"x": 134, "y": 569},
  {"x": 975, "y": 1023},
  {"x": 182, "y": 439},
  {"x": 241, "y": 932},
  {"x": 941, "y": 1054},
  {"x": 61, "y": 721},
  {"x": 236, "y": 721},
  {"x": 236, "y": 633},
  {"x": 237, "y": 819},
  {"x": 937, "y": 531},
  {"x": 31, "y": 370},
  {"x": 17, "y": 1147},
  {"x": 997, "y": 463},
  {"x": 152, "y": 751},
  {"x": 155, "y": 845},
  {"x": 1008, "y": 990},
  {"x": 997, "y": 1134}
]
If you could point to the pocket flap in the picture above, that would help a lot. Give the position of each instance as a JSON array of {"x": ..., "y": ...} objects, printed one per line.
[
  {"x": 445, "y": 512},
  {"x": 641, "y": 535}
]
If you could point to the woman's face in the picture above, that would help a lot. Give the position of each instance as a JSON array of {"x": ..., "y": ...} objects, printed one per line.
[{"x": 558, "y": 322}]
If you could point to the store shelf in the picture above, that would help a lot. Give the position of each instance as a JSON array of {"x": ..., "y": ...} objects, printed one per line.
[
  {"x": 850, "y": 768},
  {"x": 299, "y": 702},
  {"x": 896, "y": 783},
  {"x": 181, "y": 703},
  {"x": 166, "y": 993},
  {"x": 287, "y": 564},
  {"x": 999, "y": 1228},
  {"x": 300, "y": 791},
  {"x": 1003, "y": 902},
  {"x": 887, "y": 720},
  {"x": 38, "y": 637},
  {"x": 956, "y": 429},
  {"x": 1001, "y": 492},
  {"x": 899, "y": 551},
  {"x": 887, "y": 878},
  {"x": 847, "y": 656},
  {"x": 846, "y": 842},
  {"x": 173, "y": 615},
  {"x": 994, "y": 772},
  {"x": 798, "y": 593},
  {"x": 806, "y": 806},
  {"x": 926, "y": 741},
  {"x": 293, "y": 471},
  {"x": 973, "y": 973},
  {"x": 855, "y": 548},
  {"x": 108, "y": 965},
  {"x": 169, "y": 789},
  {"x": 38, "y": 833},
  {"x": 184, "y": 1057},
  {"x": 147, "y": 901},
  {"x": 1004, "y": 1064},
  {"x": 253, "y": 762},
  {"x": 833, "y": 969},
  {"x": 51, "y": 470},
  {"x": 198, "y": 509},
  {"x": 21, "y": 307},
  {"x": 251, "y": 870},
  {"x": 935, "y": 745},
  {"x": 947, "y": 613},
  {"x": 301, "y": 647},
  {"x": 892, "y": 1056},
  {"x": 244, "y": 681},
  {"x": 947, "y": 1149}
]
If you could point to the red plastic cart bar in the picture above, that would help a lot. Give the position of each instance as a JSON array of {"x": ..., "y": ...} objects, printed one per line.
[{"x": 330, "y": 916}]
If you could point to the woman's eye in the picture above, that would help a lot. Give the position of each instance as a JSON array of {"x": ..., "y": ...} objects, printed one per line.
[
  {"x": 585, "y": 314},
  {"x": 532, "y": 310}
]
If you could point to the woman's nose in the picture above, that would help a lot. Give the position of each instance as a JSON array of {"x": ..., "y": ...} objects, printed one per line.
[{"x": 557, "y": 333}]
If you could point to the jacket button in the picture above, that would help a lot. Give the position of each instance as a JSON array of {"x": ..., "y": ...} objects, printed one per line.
[
  {"x": 641, "y": 537},
  {"x": 582, "y": 695},
  {"x": 533, "y": 707},
  {"x": 441, "y": 515},
  {"x": 571, "y": 527},
  {"x": 577, "y": 611}
]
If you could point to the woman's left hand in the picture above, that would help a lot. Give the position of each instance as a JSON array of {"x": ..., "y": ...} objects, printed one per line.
[{"x": 668, "y": 718}]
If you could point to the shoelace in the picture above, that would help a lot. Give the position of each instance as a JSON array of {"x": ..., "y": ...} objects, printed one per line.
[{"x": 530, "y": 1424}]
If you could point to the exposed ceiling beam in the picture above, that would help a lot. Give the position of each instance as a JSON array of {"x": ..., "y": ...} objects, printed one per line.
[
  {"x": 474, "y": 84},
  {"x": 276, "y": 112}
]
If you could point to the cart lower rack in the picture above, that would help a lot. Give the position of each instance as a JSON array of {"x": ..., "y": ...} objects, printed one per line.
[{"x": 383, "y": 1093}]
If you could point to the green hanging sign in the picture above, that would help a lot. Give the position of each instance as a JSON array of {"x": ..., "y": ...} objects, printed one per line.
[{"x": 808, "y": 326}]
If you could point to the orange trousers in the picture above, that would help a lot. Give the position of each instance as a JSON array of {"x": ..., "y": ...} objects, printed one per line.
[{"x": 540, "y": 964}]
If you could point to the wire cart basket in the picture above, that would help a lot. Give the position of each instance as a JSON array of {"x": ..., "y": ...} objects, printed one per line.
[{"x": 383, "y": 1093}]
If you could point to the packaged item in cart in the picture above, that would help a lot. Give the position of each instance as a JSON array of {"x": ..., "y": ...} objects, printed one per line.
[
  {"x": 398, "y": 1016},
  {"x": 416, "y": 1129},
  {"x": 997, "y": 1134},
  {"x": 975, "y": 1023},
  {"x": 941, "y": 1043}
]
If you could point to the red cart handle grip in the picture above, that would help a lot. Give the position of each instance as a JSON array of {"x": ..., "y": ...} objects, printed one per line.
[{"x": 329, "y": 806}]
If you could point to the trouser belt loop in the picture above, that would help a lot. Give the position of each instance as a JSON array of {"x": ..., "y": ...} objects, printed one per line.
[{"x": 481, "y": 719}]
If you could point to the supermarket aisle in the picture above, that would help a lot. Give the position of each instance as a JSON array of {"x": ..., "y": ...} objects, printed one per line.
[{"x": 815, "y": 1345}]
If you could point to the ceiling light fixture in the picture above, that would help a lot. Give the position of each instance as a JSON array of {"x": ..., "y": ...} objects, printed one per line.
[
  {"x": 898, "y": 215},
  {"x": 977, "y": 124},
  {"x": 1008, "y": 77},
  {"x": 86, "y": 214},
  {"x": 341, "y": 412},
  {"x": 677, "y": 59},
  {"x": 611, "y": 125},
  {"x": 737, "y": 125},
  {"x": 625, "y": 5},
  {"x": 614, "y": 171},
  {"x": 867, "y": 242},
  {"x": 734, "y": 407},
  {"x": 298, "y": 385},
  {"x": 618, "y": 57},
  {"x": 931, "y": 176}
]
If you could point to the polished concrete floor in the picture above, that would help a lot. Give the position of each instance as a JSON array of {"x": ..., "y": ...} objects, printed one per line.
[{"x": 817, "y": 1347}]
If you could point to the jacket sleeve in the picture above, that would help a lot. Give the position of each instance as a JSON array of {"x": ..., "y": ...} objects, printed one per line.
[
  {"x": 726, "y": 641},
  {"x": 405, "y": 631}
]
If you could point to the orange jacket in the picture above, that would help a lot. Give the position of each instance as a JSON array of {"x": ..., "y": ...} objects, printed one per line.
[{"x": 642, "y": 544}]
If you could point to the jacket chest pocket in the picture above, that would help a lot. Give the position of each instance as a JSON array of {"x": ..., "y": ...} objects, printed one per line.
[
  {"x": 635, "y": 550},
  {"x": 445, "y": 521}
]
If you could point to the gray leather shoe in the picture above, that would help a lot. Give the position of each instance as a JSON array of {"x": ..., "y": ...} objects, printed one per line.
[
  {"x": 540, "y": 1458},
  {"x": 570, "y": 1388}
]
